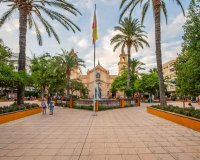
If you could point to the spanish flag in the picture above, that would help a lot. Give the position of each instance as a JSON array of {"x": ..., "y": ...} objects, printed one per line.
[{"x": 94, "y": 28}]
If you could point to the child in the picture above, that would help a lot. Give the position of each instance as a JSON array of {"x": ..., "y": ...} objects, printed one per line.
[
  {"x": 51, "y": 108},
  {"x": 43, "y": 104}
]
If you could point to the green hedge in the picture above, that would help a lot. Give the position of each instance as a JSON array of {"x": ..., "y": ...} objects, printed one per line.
[
  {"x": 191, "y": 112},
  {"x": 14, "y": 107}
]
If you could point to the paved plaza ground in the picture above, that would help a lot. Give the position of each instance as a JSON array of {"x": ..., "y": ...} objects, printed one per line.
[{"x": 120, "y": 134}]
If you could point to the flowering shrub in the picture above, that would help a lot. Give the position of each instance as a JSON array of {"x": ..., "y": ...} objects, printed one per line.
[
  {"x": 191, "y": 112},
  {"x": 14, "y": 107}
]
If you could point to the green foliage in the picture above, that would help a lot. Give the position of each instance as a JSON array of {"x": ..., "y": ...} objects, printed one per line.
[
  {"x": 120, "y": 82},
  {"x": 9, "y": 77},
  {"x": 130, "y": 5},
  {"x": 131, "y": 34},
  {"x": 148, "y": 83},
  {"x": 188, "y": 63},
  {"x": 55, "y": 10},
  {"x": 77, "y": 85},
  {"x": 67, "y": 63},
  {"x": 191, "y": 112},
  {"x": 14, "y": 107},
  {"x": 128, "y": 92}
]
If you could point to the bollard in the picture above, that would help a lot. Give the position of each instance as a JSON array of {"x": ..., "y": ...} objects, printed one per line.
[
  {"x": 96, "y": 106},
  {"x": 122, "y": 103},
  {"x": 71, "y": 103},
  {"x": 138, "y": 101}
]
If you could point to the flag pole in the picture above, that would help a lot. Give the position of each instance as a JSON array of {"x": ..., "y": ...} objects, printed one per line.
[{"x": 94, "y": 75}]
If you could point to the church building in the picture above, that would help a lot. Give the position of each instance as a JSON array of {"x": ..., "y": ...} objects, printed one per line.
[{"x": 103, "y": 78}]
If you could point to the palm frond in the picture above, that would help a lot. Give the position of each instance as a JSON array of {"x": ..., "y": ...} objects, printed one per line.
[
  {"x": 144, "y": 10},
  {"x": 164, "y": 9},
  {"x": 6, "y": 16}
]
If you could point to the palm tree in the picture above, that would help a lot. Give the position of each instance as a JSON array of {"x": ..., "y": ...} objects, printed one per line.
[
  {"x": 157, "y": 6},
  {"x": 136, "y": 66},
  {"x": 28, "y": 10},
  {"x": 68, "y": 62},
  {"x": 130, "y": 35}
]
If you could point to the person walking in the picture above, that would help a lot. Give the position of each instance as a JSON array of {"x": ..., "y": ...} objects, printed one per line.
[
  {"x": 51, "y": 108},
  {"x": 44, "y": 107},
  {"x": 48, "y": 101}
]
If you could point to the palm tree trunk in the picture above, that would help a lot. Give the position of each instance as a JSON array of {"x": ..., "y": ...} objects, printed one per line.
[
  {"x": 129, "y": 68},
  {"x": 158, "y": 51},
  {"x": 22, "y": 52},
  {"x": 68, "y": 81}
]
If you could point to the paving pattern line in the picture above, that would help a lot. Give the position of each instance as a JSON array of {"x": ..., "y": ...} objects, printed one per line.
[{"x": 91, "y": 119}]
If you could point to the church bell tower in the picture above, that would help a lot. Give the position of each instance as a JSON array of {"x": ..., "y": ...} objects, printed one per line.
[{"x": 123, "y": 62}]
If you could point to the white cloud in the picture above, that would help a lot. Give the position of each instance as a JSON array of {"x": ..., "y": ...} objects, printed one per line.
[{"x": 83, "y": 43}]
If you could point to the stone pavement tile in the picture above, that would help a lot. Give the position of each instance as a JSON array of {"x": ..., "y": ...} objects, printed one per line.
[
  {"x": 196, "y": 148},
  {"x": 123, "y": 140},
  {"x": 39, "y": 146},
  {"x": 112, "y": 151},
  {"x": 9, "y": 158},
  {"x": 157, "y": 150},
  {"x": 85, "y": 152},
  {"x": 173, "y": 149},
  {"x": 138, "y": 144},
  {"x": 111, "y": 145},
  {"x": 93, "y": 157},
  {"x": 62, "y": 158},
  {"x": 32, "y": 152},
  {"x": 142, "y": 150},
  {"x": 113, "y": 157},
  {"x": 177, "y": 143},
  {"x": 165, "y": 144},
  {"x": 77, "y": 152},
  {"x": 191, "y": 143},
  {"x": 16, "y": 152},
  {"x": 65, "y": 152},
  {"x": 152, "y": 144},
  {"x": 12, "y": 146},
  {"x": 95, "y": 151},
  {"x": 4, "y": 146},
  {"x": 44, "y": 158},
  {"x": 26, "y": 146},
  {"x": 110, "y": 140},
  {"x": 27, "y": 158},
  {"x": 186, "y": 156},
  {"x": 97, "y": 145},
  {"x": 87, "y": 145},
  {"x": 6, "y": 141},
  {"x": 49, "y": 152},
  {"x": 127, "y": 151},
  {"x": 156, "y": 157},
  {"x": 130, "y": 157},
  {"x": 68, "y": 145},
  {"x": 125, "y": 145}
]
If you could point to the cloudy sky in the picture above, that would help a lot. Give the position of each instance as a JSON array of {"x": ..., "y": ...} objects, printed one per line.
[{"x": 107, "y": 17}]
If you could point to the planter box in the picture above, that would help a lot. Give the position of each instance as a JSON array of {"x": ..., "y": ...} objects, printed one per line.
[
  {"x": 189, "y": 122},
  {"x": 2, "y": 100},
  {"x": 19, "y": 114}
]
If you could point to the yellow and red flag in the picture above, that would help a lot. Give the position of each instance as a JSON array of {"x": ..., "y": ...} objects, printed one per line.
[{"x": 94, "y": 28}]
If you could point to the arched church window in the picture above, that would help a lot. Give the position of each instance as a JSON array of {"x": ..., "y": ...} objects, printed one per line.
[
  {"x": 123, "y": 59},
  {"x": 98, "y": 75}
]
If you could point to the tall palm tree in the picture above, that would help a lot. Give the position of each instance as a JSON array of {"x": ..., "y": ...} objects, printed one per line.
[
  {"x": 68, "y": 62},
  {"x": 28, "y": 11},
  {"x": 136, "y": 66},
  {"x": 157, "y": 6},
  {"x": 130, "y": 35}
]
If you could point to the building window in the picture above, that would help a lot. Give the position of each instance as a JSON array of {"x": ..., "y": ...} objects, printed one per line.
[
  {"x": 98, "y": 75},
  {"x": 123, "y": 59}
]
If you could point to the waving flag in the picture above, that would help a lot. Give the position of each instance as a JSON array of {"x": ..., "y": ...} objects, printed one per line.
[{"x": 94, "y": 28}]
